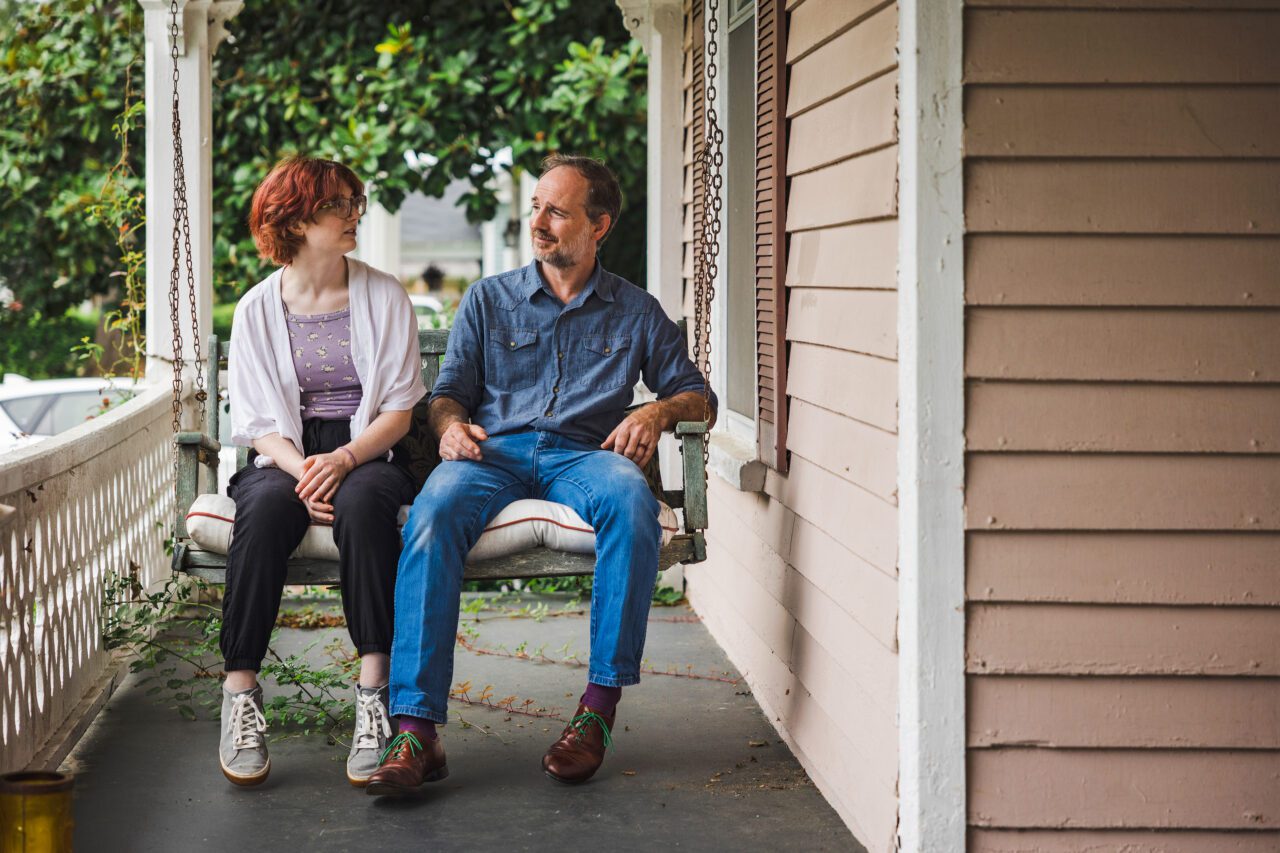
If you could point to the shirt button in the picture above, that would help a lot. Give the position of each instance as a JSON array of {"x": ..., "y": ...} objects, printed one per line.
[
  {"x": 560, "y": 354},
  {"x": 608, "y": 350},
  {"x": 513, "y": 344},
  {"x": 555, "y": 390},
  {"x": 550, "y": 413}
]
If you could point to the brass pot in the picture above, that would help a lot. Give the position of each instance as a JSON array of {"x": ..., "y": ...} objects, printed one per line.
[{"x": 35, "y": 812}]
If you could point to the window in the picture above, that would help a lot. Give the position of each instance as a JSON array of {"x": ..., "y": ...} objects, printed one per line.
[{"x": 739, "y": 320}]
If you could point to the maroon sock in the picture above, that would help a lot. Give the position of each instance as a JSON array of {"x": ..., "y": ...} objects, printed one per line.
[
  {"x": 601, "y": 698},
  {"x": 422, "y": 729}
]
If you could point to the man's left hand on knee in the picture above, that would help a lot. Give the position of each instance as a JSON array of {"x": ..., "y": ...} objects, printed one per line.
[{"x": 637, "y": 436}]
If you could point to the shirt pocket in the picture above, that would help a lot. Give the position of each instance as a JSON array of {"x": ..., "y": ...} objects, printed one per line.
[
  {"x": 511, "y": 363},
  {"x": 603, "y": 361}
]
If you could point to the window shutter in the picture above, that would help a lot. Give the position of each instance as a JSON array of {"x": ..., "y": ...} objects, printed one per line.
[
  {"x": 771, "y": 233},
  {"x": 696, "y": 135}
]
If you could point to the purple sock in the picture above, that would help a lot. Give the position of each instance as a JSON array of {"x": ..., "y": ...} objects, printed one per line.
[
  {"x": 423, "y": 729},
  {"x": 601, "y": 698}
]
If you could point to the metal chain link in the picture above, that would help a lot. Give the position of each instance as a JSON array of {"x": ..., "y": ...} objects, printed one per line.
[
  {"x": 181, "y": 246},
  {"x": 707, "y": 247}
]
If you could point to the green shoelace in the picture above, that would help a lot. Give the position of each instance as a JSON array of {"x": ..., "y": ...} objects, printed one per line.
[
  {"x": 581, "y": 721},
  {"x": 415, "y": 745}
]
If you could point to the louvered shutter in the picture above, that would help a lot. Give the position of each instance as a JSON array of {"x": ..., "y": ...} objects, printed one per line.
[{"x": 771, "y": 233}]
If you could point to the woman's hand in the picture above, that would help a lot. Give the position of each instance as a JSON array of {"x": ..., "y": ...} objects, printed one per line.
[
  {"x": 322, "y": 474},
  {"x": 320, "y": 512}
]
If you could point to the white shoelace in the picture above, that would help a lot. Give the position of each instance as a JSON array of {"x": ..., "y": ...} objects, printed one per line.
[
  {"x": 247, "y": 724},
  {"x": 371, "y": 720}
]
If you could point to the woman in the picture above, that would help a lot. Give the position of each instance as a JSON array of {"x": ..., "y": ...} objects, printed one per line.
[{"x": 324, "y": 374}]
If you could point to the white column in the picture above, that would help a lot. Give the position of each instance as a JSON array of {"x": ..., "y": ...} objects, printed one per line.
[
  {"x": 379, "y": 240},
  {"x": 659, "y": 27},
  {"x": 931, "y": 566},
  {"x": 200, "y": 30}
]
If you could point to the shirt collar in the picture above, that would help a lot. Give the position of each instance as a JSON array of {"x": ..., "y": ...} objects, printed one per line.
[{"x": 600, "y": 283}]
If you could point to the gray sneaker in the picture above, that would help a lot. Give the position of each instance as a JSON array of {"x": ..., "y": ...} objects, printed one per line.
[
  {"x": 242, "y": 750},
  {"x": 373, "y": 731}
]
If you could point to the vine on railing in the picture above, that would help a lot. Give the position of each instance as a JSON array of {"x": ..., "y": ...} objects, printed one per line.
[{"x": 121, "y": 207}]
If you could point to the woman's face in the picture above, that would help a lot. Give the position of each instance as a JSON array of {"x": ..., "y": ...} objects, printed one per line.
[{"x": 332, "y": 231}]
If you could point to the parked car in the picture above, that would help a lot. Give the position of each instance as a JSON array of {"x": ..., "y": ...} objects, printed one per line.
[
  {"x": 34, "y": 409},
  {"x": 429, "y": 311}
]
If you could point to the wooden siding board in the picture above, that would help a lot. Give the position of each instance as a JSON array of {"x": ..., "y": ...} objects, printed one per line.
[
  {"x": 854, "y": 256},
  {"x": 1065, "y": 788},
  {"x": 1123, "y": 197},
  {"x": 1148, "y": 344},
  {"x": 819, "y": 741},
  {"x": 1087, "y": 270},
  {"x": 862, "y": 321},
  {"x": 864, "y": 523},
  {"x": 1122, "y": 417},
  {"x": 1124, "y": 568},
  {"x": 818, "y": 21},
  {"x": 1121, "y": 121},
  {"x": 865, "y": 187},
  {"x": 858, "y": 121},
  {"x": 1070, "y": 46},
  {"x": 1120, "y": 841},
  {"x": 850, "y": 449},
  {"x": 866, "y": 593},
  {"x": 1043, "y": 491},
  {"x": 1151, "y": 713},
  {"x": 1063, "y": 639},
  {"x": 859, "y": 386},
  {"x": 866, "y": 51}
]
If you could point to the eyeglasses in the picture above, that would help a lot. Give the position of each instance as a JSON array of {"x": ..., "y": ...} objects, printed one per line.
[{"x": 346, "y": 207}]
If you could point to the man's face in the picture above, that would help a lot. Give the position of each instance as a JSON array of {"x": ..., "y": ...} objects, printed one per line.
[{"x": 562, "y": 233}]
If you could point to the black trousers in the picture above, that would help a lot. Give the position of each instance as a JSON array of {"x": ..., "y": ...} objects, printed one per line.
[{"x": 271, "y": 521}]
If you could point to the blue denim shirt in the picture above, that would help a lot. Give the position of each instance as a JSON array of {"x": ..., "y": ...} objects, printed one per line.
[{"x": 519, "y": 358}]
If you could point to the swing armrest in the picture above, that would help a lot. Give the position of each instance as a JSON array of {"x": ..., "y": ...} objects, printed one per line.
[
  {"x": 194, "y": 449},
  {"x": 692, "y": 434}
]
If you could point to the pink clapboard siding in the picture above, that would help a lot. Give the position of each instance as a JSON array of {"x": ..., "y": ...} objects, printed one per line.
[
  {"x": 800, "y": 583},
  {"x": 1122, "y": 357}
]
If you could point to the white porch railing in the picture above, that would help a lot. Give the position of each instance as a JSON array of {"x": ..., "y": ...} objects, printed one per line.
[{"x": 96, "y": 499}]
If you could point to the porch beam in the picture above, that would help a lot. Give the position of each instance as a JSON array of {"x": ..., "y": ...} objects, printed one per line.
[{"x": 931, "y": 567}]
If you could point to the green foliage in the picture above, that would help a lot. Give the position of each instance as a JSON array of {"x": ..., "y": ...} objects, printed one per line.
[
  {"x": 42, "y": 347},
  {"x": 454, "y": 83}
]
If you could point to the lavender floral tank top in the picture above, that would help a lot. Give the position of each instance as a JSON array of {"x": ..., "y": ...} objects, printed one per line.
[{"x": 321, "y": 345}]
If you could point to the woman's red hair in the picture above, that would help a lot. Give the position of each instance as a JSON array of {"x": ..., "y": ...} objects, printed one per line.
[{"x": 292, "y": 193}]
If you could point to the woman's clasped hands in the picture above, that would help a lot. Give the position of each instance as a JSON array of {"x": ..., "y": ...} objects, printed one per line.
[{"x": 322, "y": 474}]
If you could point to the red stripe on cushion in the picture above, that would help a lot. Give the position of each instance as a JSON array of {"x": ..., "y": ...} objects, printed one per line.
[{"x": 210, "y": 515}]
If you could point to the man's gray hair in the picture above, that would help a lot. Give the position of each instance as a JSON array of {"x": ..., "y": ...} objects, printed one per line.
[{"x": 603, "y": 193}]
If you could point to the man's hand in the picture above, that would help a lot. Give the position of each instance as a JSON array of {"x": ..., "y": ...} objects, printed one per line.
[
  {"x": 322, "y": 474},
  {"x": 320, "y": 512},
  {"x": 459, "y": 441},
  {"x": 637, "y": 436}
]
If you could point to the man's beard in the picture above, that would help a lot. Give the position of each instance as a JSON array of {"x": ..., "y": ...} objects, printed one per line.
[{"x": 561, "y": 256}]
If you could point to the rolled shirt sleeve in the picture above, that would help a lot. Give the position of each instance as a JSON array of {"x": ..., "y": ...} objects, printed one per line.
[
  {"x": 669, "y": 370},
  {"x": 462, "y": 373}
]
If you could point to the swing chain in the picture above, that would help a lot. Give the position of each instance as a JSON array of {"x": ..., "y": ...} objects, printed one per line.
[
  {"x": 707, "y": 249},
  {"x": 182, "y": 245}
]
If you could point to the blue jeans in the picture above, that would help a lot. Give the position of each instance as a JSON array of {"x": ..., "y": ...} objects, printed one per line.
[{"x": 460, "y": 498}]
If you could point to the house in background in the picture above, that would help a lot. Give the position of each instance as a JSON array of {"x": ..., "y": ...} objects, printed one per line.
[
  {"x": 428, "y": 231},
  {"x": 995, "y": 493}
]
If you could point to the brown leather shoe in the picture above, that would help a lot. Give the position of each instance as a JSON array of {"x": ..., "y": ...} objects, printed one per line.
[
  {"x": 579, "y": 752},
  {"x": 406, "y": 766}
]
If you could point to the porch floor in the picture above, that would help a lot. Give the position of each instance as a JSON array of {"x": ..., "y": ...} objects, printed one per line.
[{"x": 695, "y": 766}]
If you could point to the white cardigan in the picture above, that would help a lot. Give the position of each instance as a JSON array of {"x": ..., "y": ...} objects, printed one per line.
[{"x": 265, "y": 397}]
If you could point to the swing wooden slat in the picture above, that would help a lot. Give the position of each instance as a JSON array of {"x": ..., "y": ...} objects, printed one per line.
[{"x": 198, "y": 450}]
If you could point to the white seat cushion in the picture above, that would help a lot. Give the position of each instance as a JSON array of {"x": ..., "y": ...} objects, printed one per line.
[{"x": 520, "y": 526}]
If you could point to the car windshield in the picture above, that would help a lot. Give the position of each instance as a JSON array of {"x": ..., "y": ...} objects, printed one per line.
[{"x": 50, "y": 414}]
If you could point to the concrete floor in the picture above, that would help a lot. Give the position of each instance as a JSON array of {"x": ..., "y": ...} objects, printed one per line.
[{"x": 695, "y": 767}]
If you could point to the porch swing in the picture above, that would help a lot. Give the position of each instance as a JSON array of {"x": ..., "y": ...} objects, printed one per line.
[{"x": 204, "y": 519}]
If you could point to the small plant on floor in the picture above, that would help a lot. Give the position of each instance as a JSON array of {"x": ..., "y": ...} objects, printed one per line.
[{"x": 172, "y": 632}]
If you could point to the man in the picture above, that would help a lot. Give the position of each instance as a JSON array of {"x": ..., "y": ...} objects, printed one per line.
[{"x": 530, "y": 404}]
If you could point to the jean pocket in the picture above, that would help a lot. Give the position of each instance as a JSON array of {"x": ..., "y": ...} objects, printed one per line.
[
  {"x": 512, "y": 360},
  {"x": 604, "y": 361}
]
